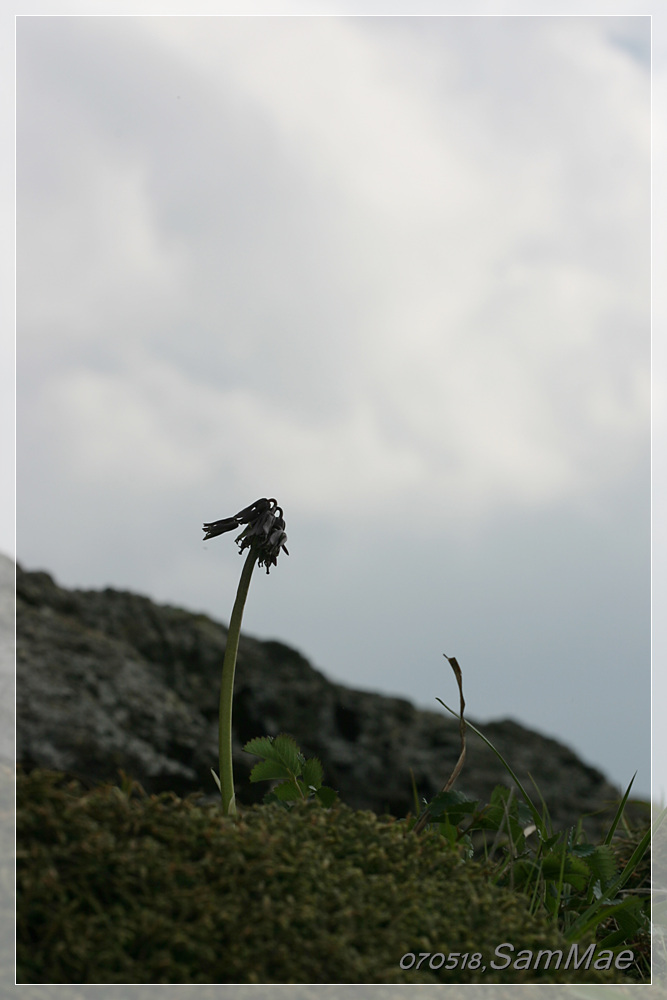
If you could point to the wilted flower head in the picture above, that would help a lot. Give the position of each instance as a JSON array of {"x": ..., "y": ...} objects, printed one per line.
[{"x": 265, "y": 530}]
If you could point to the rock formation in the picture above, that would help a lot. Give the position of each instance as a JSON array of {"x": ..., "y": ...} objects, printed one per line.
[{"x": 109, "y": 680}]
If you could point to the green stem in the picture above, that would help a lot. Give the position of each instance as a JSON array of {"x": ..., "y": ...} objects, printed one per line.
[{"x": 227, "y": 688}]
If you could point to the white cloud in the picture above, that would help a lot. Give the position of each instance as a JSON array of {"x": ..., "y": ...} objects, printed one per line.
[
  {"x": 434, "y": 281},
  {"x": 96, "y": 264}
]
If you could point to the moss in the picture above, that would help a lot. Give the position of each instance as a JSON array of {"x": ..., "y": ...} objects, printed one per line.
[{"x": 118, "y": 888}]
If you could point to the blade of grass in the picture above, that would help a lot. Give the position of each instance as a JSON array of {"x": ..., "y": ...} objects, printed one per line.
[
  {"x": 546, "y": 815},
  {"x": 619, "y": 812}
]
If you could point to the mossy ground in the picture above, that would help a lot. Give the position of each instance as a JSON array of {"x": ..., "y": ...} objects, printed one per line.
[{"x": 124, "y": 888}]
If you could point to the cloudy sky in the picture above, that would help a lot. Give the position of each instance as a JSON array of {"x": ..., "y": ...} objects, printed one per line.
[{"x": 393, "y": 271}]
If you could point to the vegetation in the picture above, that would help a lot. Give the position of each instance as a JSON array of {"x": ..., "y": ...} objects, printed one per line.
[
  {"x": 581, "y": 886},
  {"x": 118, "y": 887}
]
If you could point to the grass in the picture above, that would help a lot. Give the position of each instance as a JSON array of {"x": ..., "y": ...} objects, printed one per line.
[{"x": 582, "y": 887}]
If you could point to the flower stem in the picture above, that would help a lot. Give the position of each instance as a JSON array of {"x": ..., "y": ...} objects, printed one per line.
[{"x": 227, "y": 688}]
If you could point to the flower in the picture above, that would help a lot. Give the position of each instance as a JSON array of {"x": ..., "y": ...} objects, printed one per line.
[{"x": 265, "y": 530}]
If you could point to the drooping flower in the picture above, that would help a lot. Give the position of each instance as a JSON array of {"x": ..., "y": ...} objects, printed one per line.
[{"x": 264, "y": 531}]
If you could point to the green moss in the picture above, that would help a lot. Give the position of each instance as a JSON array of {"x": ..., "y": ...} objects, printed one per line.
[{"x": 125, "y": 889}]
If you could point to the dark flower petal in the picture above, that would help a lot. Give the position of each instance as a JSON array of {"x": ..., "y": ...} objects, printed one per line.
[
  {"x": 264, "y": 530},
  {"x": 254, "y": 510},
  {"x": 213, "y": 528}
]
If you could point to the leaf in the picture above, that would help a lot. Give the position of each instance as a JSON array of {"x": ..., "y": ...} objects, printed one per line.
[
  {"x": 283, "y": 758},
  {"x": 312, "y": 773},
  {"x": 490, "y": 818},
  {"x": 602, "y": 863},
  {"x": 261, "y": 746},
  {"x": 216, "y": 779},
  {"x": 574, "y": 870},
  {"x": 327, "y": 796},
  {"x": 449, "y": 832},
  {"x": 584, "y": 850},
  {"x": 287, "y": 791},
  {"x": 500, "y": 796},
  {"x": 269, "y": 770},
  {"x": 285, "y": 749},
  {"x": 455, "y": 804}
]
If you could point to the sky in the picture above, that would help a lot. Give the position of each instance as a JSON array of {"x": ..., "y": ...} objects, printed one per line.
[{"x": 394, "y": 272}]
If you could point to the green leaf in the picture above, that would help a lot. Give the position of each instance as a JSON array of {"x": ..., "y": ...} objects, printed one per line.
[
  {"x": 327, "y": 796},
  {"x": 574, "y": 870},
  {"x": 584, "y": 850},
  {"x": 216, "y": 779},
  {"x": 490, "y": 818},
  {"x": 269, "y": 770},
  {"x": 500, "y": 796},
  {"x": 449, "y": 832},
  {"x": 287, "y": 791},
  {"x": 602, "y": 863},
  {"x": 455, "y": 804},
  {"x": 281, "y": 751},
  {"x": 261, "y": 746},
  {"x": 285, "y": 749},
  {"x": 312, "y": 773}
]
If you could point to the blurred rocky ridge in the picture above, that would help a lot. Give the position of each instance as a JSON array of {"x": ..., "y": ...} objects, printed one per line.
[
  {"x": 109, "y": 680},
  {"x": 6, "y": 660}
]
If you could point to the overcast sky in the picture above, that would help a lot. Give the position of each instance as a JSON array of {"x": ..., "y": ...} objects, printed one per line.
[{"x": 394, "y": 272}]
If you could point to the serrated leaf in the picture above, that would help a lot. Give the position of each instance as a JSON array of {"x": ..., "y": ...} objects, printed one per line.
[
  {"x": 490, "y": 818},
  {"x": 574, "y": 870},
  {"x": 269, "y": 770},
  {"x": 312, "y": 773},
  {"x": 327, "y": 796},
  {"x": 285, "y": 749},
  {"x": 455, "y": 804},
  {"x": 287, "y": 791},
  {"x": 583, "y": 850},
  {"x": 602, "y": 863},
  {"x": 261, "y": 746},
  {"x": 500, "y": 796}
]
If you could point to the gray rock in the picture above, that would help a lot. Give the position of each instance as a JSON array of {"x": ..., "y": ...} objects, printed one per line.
[{"x": 108, "y": 680}]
